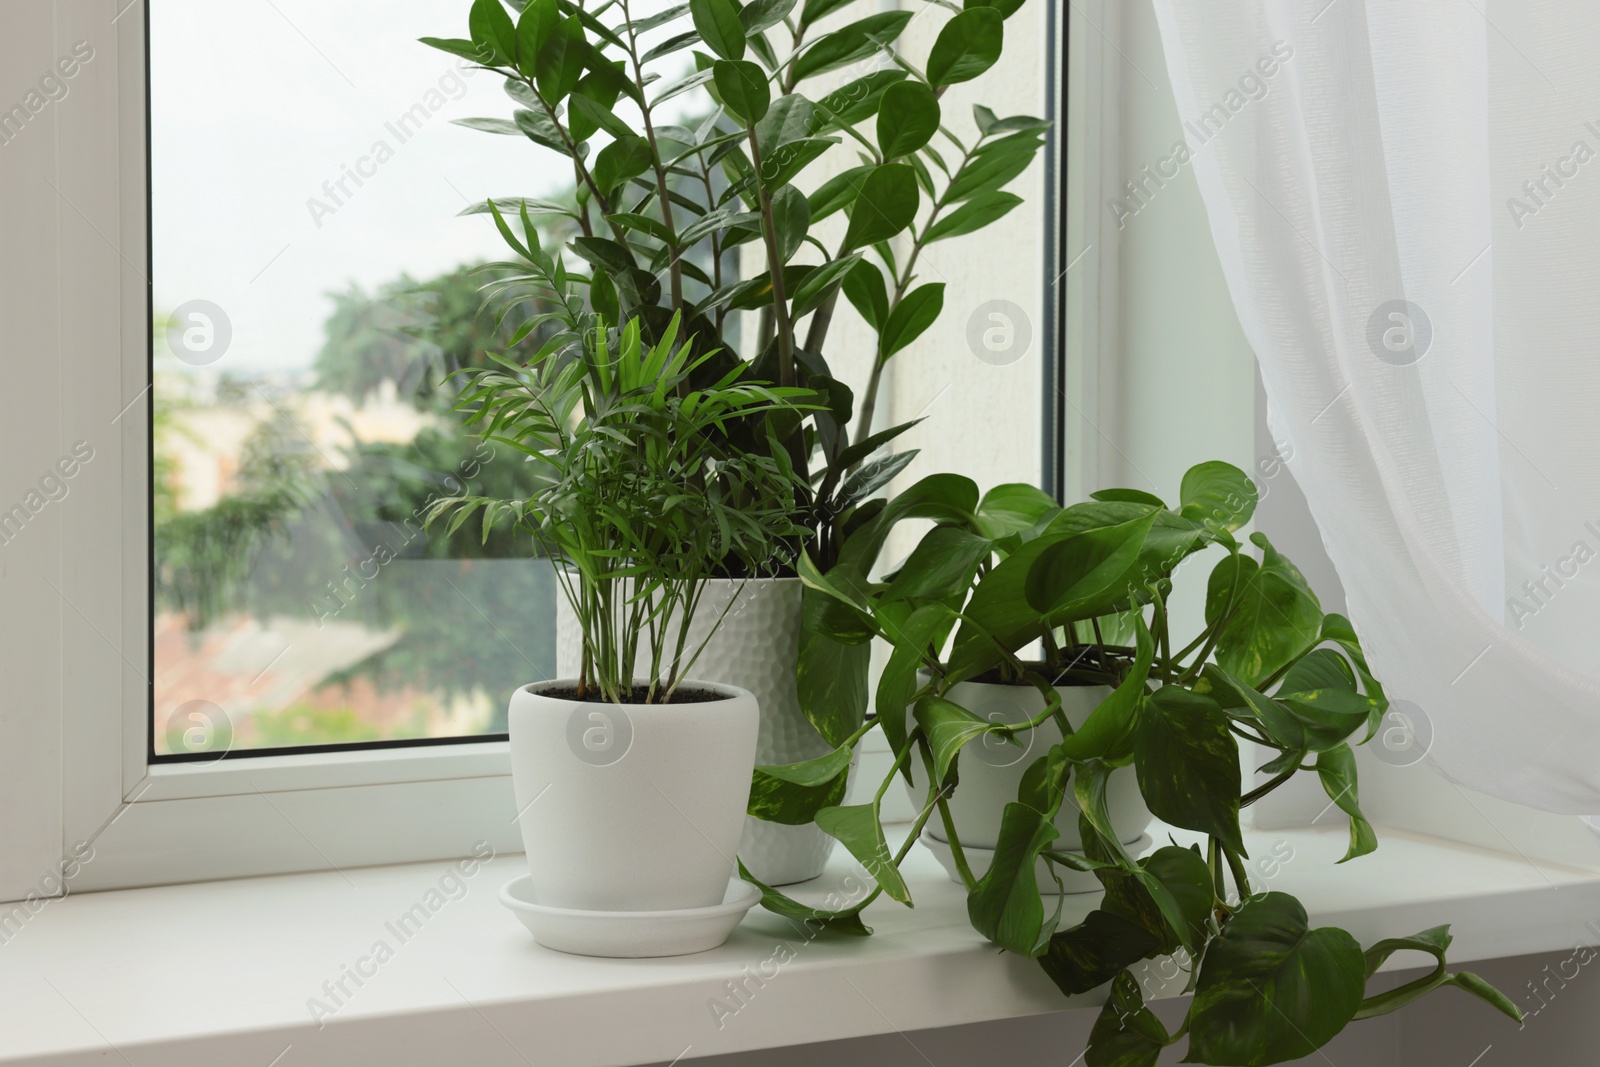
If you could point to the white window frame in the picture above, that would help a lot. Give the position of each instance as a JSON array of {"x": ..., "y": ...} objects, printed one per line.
[{"x": 76, "y": 796}]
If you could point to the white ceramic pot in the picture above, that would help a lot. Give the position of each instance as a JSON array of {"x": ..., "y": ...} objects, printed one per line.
[
  {"x": 991, "y": 769},
  {"x": 755, "y": 648},
  {"x": 631, "y": 807}
]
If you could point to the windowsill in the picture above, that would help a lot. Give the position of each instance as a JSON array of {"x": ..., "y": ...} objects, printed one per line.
[{"x": 223, "y": 971}]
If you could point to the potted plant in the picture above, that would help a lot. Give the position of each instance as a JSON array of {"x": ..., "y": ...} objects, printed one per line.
[
  {"x": 1092, "y": 583},
  {"x": 631, "y": 787},
  {"x": 835, "y": 191}
]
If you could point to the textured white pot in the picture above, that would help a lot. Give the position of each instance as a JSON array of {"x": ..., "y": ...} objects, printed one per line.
[
  {"x": 631, "y": 807},
  {"x": 755, "y": 648},
  {"x": 991, "y": 768}
]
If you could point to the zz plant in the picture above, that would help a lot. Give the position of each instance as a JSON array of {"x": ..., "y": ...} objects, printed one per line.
[
  {"x": 1091, "y": 584},
  {"x": 827, "y": 148}
]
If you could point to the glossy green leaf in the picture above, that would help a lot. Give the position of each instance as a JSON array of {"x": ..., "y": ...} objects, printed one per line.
[
  {"x": 975, "y": 214},
  {"x": 597, "y": 115},
  {"x": 759, "y": 15},
  {"x": 822, "y": 283},
  {"x": 857, "y": 101},
  {"x": 794, "y": 793},
  {"x": 916, "y": 640},
  {"x": 1272, "y": 989},
  {"x": 941, "y": 567},
  {"x": 1267, "y": 614},
  {"x": 562, "y": 60},
  {"x": 791, "y": 220},
  {"x": 831, "y": 682},
  {"x": 838, "y": 192},
  {"x": 1100, "y": 838},
  {"x": 717, "y": 22},
  {"x": 939, "y": 497},
  {"x": 857, "y": 828},
  {"x": 458, "y": 47},
  {"x": 621, "y": 161},
  {"x": 538, "y": 21},
  {"x": 1126, "y": 1033},
  {"x": 1095, "y": 951},
  {"x": 1188, "y": 764},
  {"x": 1305, "y": 722},
  {"x": 1005, "y": 905},
  {"x": 911, "y": 318},
  {"x": 999, "y": 617},
  {"x": 994, "y": 166},
  {"x": 968, "y": 45},
  {"x": 1089, "y": 573},
  {"x": 501, "y": 126},
  {"x": 851, "y": 43},
  {"x": 818, "y": 9},
  {"x": 1337, "y": 769},
  {"x": 1007, "y": 8},
  {"x": 1013, "y": 508},
  {"x": 1127, "y": 496},
  {"x": 1170, "y": 894},
  {"x": 1218, "y": 495},
  {"x": 908, "y": 117},
  {"x": 784, "y": 164},
  {"x": 948, "y": 727},
  {"x": 744, "y": 89},
  {"x": 843, "y": 921},
  {"x": 492, "y": 28},
  {"x": 864, "y": 287},
  {"x": 1108, "y": 733},
  {"x": 884, "y": 206}
]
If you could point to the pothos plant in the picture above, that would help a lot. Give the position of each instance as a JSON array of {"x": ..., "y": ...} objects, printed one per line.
[
  {"x": 1091, "y": 583},
  {"x": 827, "y": 148},
  {"x": 638, "y": 495}
]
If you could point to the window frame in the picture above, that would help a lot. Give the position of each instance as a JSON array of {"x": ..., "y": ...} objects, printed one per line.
[{"x": 92, "y": 811}]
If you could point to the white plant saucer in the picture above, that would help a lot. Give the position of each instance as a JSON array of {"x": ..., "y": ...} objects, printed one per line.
[
  {"x": 629, "y": 934},
  {"x": 978, "y": 860}
]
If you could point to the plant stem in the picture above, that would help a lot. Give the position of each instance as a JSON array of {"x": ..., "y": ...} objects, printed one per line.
[
  {"x": 937, "y": 794},
  {"x": 1261, "y": 791},
  {"x": 675, "y": 270},
  {"x": 780, "y": 300}
]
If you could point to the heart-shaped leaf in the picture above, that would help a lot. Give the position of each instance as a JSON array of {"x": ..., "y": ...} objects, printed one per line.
[
  {"x": 1188, "y": 764},
  {"x": 1272, "y": 989},
  {"x": 858, "y": 829},
  {"x": 1218, "y": 495},
  {"x": 1337, "y": 769},
  {"x": 1266, "y": 613},
  {"x": 793, "y": 794},
  {"x": 1005, "y": 905}
]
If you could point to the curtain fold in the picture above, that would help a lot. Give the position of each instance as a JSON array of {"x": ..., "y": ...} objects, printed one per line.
[{"x": 1427, "y": 344}]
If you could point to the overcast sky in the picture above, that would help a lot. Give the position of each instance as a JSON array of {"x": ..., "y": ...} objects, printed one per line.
[{"x": 255, "y": 104}]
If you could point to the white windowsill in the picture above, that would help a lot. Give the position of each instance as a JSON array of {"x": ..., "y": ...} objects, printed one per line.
[{"x": 222, "y": 972}]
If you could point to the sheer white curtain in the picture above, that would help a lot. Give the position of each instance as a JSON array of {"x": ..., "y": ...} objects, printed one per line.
[{"x": 1406, "y": 200}]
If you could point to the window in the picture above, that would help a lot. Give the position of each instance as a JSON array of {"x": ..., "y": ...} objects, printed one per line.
[{"x": 230, "y": 678}]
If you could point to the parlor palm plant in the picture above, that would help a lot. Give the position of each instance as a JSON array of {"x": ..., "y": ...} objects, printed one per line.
[{"x": 640, "y": 494}]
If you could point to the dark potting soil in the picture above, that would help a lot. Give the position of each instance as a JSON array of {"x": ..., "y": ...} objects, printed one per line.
[
  {"x": 683, "y": 695},
  {"x": 1089, "y": 668}
]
